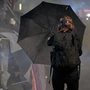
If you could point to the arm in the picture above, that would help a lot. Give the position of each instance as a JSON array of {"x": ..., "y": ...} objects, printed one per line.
[
  {"x": 78, "y": 44},
  {"x": 50, "y": 39},
  {"x": 79, "y": 47}
]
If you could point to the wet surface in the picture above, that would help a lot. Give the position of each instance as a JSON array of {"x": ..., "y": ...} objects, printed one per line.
[{"x": 18, "y": 75}]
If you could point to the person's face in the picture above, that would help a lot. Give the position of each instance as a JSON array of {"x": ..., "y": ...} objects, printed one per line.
[{"x": 69, "y": 22}]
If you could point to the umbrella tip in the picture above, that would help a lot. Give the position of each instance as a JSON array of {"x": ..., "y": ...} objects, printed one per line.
[
  {"x": 43, "y": 2},
  {"x": 66, "y": 7}
]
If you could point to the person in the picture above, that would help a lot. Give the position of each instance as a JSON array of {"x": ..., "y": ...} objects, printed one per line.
[{"x": 65, "y": 59}]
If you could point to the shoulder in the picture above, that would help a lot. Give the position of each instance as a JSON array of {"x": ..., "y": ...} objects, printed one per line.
[{"x": 74, "y": 32}]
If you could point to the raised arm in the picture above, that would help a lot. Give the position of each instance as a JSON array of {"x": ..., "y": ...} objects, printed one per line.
[{"x": 50, "y": 40}]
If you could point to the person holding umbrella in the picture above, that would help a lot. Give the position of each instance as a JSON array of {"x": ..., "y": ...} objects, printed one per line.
[{"x": 65, "y": 60}]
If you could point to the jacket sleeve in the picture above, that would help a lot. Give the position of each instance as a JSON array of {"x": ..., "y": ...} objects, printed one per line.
[
  {"x": 79, "y": 45},
  {"x": 80, "y": 49}
]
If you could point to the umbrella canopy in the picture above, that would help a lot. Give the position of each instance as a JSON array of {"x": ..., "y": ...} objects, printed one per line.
[{"x": 36, "y": 25}]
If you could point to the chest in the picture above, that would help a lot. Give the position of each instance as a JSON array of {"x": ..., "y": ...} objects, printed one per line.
[{"x": 64, "y": 38}]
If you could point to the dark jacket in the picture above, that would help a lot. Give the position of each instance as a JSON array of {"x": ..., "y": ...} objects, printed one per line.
[{"x": 67, "y": 48}]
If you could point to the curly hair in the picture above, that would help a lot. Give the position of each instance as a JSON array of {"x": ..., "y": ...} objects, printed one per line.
[
  {"x": 68, "y": 18},
  {"x": 66, "y": 24}
]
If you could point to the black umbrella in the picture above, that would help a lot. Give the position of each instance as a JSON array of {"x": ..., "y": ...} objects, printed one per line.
[{"x": 36, "y": 25}]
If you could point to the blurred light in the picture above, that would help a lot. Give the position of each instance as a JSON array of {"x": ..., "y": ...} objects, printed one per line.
[
  {"x": 20, "y": 6},
  {"x": 46, "y": 77},
  {"x": 12, "y": 21},
  {"x": 86, "y": 18},
  {"x": 86, "y": 10},
  {"x": 88, "y": 15},
  {"x": 2, "y": 54}
]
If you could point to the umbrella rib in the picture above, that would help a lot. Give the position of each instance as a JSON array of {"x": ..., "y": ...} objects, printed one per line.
[
  {"x": 48, "y": 21},
  {"x": 41, "y": 45},
  {"x": 39, "y": 24}
]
